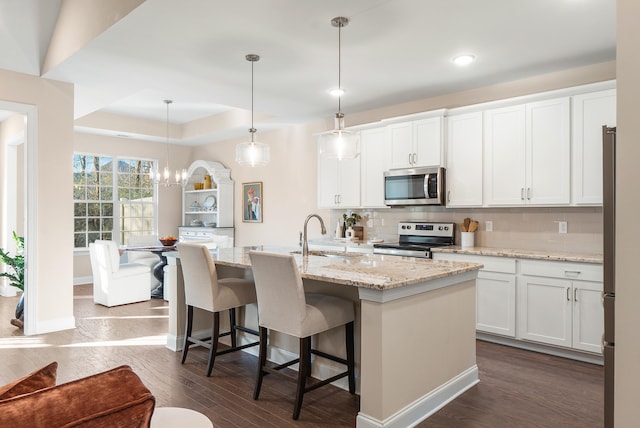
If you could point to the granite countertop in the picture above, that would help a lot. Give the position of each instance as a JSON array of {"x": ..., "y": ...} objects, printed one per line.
[
  {"x": 523, "y": 254},
  {"x": 359, "y": 270}
]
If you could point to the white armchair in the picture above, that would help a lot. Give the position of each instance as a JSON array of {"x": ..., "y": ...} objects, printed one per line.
[
  {"x": 114, "y": 283},
  {"x": 144, "y": 257}
]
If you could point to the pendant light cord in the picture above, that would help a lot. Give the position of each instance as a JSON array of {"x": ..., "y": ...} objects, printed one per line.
[
  {"x": 167, "y": 102},
  {"x": 339, "y": 67},
  {"x": 252, "y": 130}
]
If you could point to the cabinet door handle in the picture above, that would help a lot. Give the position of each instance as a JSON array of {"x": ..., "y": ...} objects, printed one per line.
[
  {"x": 415, "y": 158},
  {"x": 568, "y": 295},
  {"x": 575, "y": 294},
  {"x": 448, "y": 196},
  {"x": 339, "y": 198},
  {"x": 522, "y": 193},
  {"x": 529, "y": 193},
  {"x": 410, "y": 162}
]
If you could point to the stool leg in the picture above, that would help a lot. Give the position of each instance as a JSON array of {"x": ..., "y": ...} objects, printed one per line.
[
  {"x": 303, "y": 369},
  {"x": 232, "y": 327},
  {"x": 187, "y": 333},
  {"x": 350, "y": 356},
  {"x": 214, "y": 342},
  {"x": 262, "y": 359}
]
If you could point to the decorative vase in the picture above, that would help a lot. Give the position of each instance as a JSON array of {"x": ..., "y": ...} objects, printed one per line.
[
  {"x": 350, "y": 233},
  {"x": 207, "y": 182}
]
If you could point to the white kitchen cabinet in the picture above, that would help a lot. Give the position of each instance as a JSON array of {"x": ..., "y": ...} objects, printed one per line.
[
  {"x": 416, "y": 143},
  {"x": 495, "y": 292},
  {"x": 338, "y": 182},
  {"x": 589, "y": 112},
  {"x": 527, "y": 154},
  {"x": 464, "y": 160},
  {"x": 375, "y": 159},
  {"x": 559, "y": 304}
]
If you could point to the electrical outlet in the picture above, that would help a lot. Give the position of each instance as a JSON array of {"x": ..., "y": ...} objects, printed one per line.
[
  {"x": 562, "y": 227},
  {"x": 488, "y": 225}
]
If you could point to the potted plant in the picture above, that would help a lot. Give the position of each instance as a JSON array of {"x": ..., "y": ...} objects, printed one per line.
[
  {"x": 350, "y": 221},
  {"x": 15, "y": 275}
]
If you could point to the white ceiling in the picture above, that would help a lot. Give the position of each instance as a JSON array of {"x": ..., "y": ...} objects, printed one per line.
[{"x": 393, "y": 51}]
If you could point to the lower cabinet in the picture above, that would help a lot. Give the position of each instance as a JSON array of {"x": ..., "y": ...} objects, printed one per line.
[
  {"x": 548, "y": 302},
  {"x": 561, "y": 304}
]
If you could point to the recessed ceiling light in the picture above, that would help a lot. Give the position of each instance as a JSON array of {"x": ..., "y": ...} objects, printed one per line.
[
  {"x": 337, "y": 92},
  {"x": 463, "y": 60}
]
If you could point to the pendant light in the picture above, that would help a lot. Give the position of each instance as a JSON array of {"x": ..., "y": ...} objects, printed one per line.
[
  {"x": 164, "y": 178},
  {"x": 252, "y": 153},
  {"x": 339, "y": 143}
]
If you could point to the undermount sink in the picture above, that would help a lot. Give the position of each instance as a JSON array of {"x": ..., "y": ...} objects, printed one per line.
[{"x": 336, "y": 254}]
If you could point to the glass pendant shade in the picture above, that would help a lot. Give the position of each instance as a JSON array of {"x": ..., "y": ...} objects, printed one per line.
[
  {"x": 339, "y": 144},
  {"x": 252, "y": 154}
]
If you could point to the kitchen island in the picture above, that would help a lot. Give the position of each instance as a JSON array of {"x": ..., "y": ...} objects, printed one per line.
[{"x": 415, "y": 326}]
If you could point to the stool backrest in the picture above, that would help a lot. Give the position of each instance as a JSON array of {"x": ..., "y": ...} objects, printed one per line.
[
  {"x": 199, "y": 274},
  {"x": 281, "y": 302}
]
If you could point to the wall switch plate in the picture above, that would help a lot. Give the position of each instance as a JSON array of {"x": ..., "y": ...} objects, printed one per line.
[
  {"x": 562, "y": 227},
  {"x": 488, "y": 225}
]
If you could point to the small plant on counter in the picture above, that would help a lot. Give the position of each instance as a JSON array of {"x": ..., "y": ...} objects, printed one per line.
[
  {"x": 352, "y": 219},
  {"x": 16, "y": 277}
]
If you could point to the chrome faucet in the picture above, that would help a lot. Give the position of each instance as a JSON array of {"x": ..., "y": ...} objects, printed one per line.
[{"x": 305, "y": 244}]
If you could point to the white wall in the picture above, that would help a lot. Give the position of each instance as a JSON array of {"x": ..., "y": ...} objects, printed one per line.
[
  {"x": 49, "y": 299},
  {"x": 627, "y": 367}
]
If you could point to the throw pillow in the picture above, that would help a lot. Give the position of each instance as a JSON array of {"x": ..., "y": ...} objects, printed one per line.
[{"x": 38, "y": 379}]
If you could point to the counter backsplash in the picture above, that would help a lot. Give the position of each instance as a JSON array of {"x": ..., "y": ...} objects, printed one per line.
[{"x": 518, "y": 228}]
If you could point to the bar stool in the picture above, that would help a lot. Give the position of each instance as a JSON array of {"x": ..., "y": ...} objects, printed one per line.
[
  {"x": 283, "y": 306},
  {"x": 203, "y": 289}
]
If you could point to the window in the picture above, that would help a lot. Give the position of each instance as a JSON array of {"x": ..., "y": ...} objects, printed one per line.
[{"x": 112, "y": 203}]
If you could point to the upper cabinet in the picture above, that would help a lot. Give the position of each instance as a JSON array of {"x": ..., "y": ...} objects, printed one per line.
[
  {"x": 589, "y": 113},
  {"x": 375, "y": 159},
  {"x": 527, "y": 154},
  {"x": 464, "y": 160},
  {"x": 338, "y": 182},
  {"x": 416, "y": 143}
]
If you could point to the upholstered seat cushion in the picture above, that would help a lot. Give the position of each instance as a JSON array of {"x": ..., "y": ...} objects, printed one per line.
[
  {"x": 44, "y": 377},
  {"x": 116, "y": 398},
  {"x": 127, "y": 269},
  {"x": 324, "y": 313}
]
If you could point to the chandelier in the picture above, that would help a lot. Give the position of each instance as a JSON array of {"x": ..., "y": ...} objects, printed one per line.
[{"x": 164, "y": 178}]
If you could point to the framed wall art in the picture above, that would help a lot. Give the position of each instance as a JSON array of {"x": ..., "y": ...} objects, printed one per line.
[{"x": 252, "y": 197}]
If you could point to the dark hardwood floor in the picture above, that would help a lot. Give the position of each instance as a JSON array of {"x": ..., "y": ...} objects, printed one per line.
[{"x": 517, "y": 388}]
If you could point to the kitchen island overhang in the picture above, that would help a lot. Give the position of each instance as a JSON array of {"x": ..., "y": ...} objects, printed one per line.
[{"x": 415, "y": 326}]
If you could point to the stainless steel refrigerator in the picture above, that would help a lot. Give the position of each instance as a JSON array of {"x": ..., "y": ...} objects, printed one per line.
[{"x": 609, "y": 248}]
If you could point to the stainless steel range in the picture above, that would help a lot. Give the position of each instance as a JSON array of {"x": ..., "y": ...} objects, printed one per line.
[{"x": 415, "y": 239}]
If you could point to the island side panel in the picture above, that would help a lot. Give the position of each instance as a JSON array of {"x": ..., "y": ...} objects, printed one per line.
[{"x": 411, "y": 347}]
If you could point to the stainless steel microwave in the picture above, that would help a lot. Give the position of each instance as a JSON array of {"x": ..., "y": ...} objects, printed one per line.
[{"x": 414, "y": 186}]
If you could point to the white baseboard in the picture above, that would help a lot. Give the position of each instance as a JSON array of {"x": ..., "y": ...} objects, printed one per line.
[
  {"x": 59, "y": 324},
  {"x": 80, "y": 280},
  {"x": 425, "y": 406}
]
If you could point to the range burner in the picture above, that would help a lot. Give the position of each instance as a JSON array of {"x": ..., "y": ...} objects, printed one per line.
[{"x": 415, "y": 239}]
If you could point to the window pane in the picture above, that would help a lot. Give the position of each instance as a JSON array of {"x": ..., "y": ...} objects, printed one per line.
[
  {"x": 80, "y": 225},
  {"x": 106, "y": 193},
  {"x": 93, "y": 224},
  {"x": 106, "y": 178},
  {"x": 124, "y": 166},
  {"x": 124, "y": 194},
  {"x": 107, "y": 224},
  {"x": 79, "y": 209},
  {"x": 106, "y": 164},
  {"x": 147, "y": 224},
  {"x": 79, "y": 192},
  {"x": 107, "y": 210},
  {"x": 123, "y": 180},
  {"x": 107, "y": 236},
  {"x": 147, "y": 210},
  {"x": 92, "y": 193},
  {"x": 93, "y": 209},
  {"x": 92, "y": 178},
  {"x": 93, "y": 236},
  {"x": 79, "y": 240}
]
